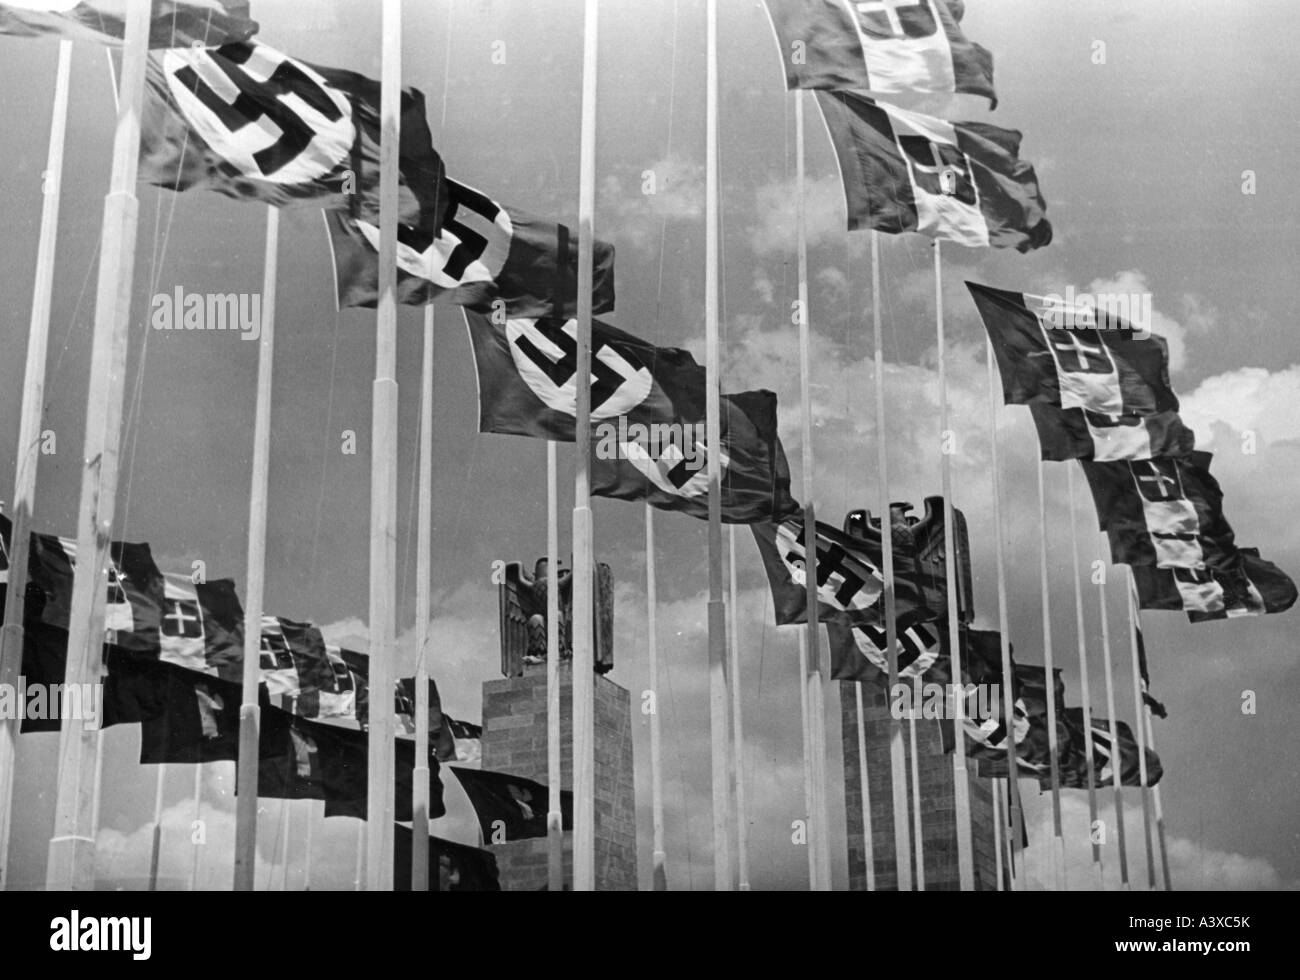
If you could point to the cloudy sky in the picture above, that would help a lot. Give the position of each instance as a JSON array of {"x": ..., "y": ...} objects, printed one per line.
[{"x": 1141, "y": 150}]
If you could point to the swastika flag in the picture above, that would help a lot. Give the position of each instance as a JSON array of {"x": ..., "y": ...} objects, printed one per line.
[
  {"x": 172, "y": 23},
  {"x": 254, "y": 124},
  {"x": 667, "y": 464},
  {"x": 486, "y": 257},
  {"x": 527, "y": 369},
  {"x": 890, "y": 47},
  {"x": 961, "y": 182}
]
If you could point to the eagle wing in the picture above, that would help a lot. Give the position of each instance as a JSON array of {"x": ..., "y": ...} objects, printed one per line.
[{"x": 515, "y": 601}]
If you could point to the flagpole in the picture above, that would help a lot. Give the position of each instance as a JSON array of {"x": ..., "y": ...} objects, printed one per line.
[
  {"x": 1053, "y": 749},
  {"x": 738, "y": 751},
  {"x": 198, "y": 803},
  {"x": 1138, "y": 705},
  {"x": 961, "y": 786},
  {"x": 868, "y": 845},
  {"x": 155, "y": 846},
  {"x": 659, "y": 858},
  {"x": 814, "y": 870},
  {"x": 423, "y": 615},
  {"x": 306, "y": 856},
  {"x": 249, "y": 712},
  {"x": 917, "y": 833},
  {"x": 813, "y": 679},
  {"x": 1008, "y": 675},
  {"x": 997, "y": 831},
  {"x": 29, "y": 438},
  {"x": 383, "y": 476},
  {"x": 554, "y": 815},
  {"x": 1159, "y": 808},
  {"x": 897, "y": 753},
  {"x": 1084, "y": 694},
  {"x": 719, "y": 702},
  {"x": 284, "y": 846},
  {"x": 359, "y": 879},
  {"x": 72, "y": 847},
  {"x": 584, "y": 764},
  {"x": 1116, "y": 775}
]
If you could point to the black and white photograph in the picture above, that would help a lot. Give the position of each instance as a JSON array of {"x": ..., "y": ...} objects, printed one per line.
[{"x": 925, "y": 522}]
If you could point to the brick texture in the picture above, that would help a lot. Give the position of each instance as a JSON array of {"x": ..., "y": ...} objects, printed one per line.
[
  {"x": 514, "y": 741},
  {"x": 938, "y": 813}
]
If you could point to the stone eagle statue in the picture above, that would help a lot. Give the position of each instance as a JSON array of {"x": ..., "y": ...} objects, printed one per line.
[
  {"x": 923, "y": 539},
  {"x": 523, "y": 616}
]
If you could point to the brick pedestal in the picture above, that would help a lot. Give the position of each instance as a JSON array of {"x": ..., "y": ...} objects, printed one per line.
[
  {"x": 514, "y": 741},
  {"x": 938, "y": 811}
]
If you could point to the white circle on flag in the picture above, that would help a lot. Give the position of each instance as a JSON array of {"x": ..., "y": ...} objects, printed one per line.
[
  {"x": 656, "y": 470},
  {"x": 331, "y": 140},
  {"x": 633, "y": 388}
]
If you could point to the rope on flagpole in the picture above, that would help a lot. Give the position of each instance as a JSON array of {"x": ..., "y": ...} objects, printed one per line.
[{"x": 1008, "y": 697}]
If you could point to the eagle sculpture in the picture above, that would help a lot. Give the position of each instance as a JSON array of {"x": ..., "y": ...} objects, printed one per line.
[
  {"x": 922, "y": 539},
  {"x": 523, "y": 616}
]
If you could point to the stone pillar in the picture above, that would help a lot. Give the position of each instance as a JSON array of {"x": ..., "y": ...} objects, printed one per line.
[
  {"x": 938, "y": 817},
  {"x": 514, "y": 741}
]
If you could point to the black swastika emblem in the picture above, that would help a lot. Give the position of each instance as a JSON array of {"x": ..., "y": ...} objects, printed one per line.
[
  {"x": 257, "y": 100},
  {"x": 607, "y": 380}
]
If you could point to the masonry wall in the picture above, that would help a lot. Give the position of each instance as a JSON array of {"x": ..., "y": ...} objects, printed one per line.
[
  {"x": 514, "y": 741},
  {"x": 938, "y": 811}
]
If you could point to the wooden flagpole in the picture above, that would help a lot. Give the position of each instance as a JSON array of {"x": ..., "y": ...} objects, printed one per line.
[
  {"x": 1084, "y": 687},
  {"x": 249, "y": 712},
  {"x": 1058, "y": 843},
  {"x": 897, "y": 753},
  {"x": 383, "y": 477},
  {"x": 961, "y": 785},
  {"x": 738, "y": 749},
  {"x": 1115, "y": 755},
  {"x": 1140, "y": 726},
  {"x": 423, "y": 621},
  {"x": 155, "y": 849},
  {"x": 584, "y": 764},
  {"x": 195, "y": 845},
  {"x": 813, "y": 679},
  {"x": 72, "y": 847},
  {"x": 1008, "y": 676},
  {"x": 29, "y": 437},
  {"x": 659, "y": 858},
  {"x": 719, "y": 702},
  {"x": 554, "y": 815},
  {"x": 868, "y": 845}
]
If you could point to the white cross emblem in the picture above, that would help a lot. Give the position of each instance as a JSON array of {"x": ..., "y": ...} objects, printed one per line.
[
  {"x": 1157, "y": 479},
  {"x": 179, "y": 617},
  {"x": 886, "y": 7},
  {"x": 1078, "y": 348}
]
